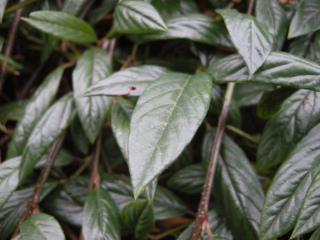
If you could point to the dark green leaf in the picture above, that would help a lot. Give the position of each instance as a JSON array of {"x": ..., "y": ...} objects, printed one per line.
[
  {"x": 63, "y": 158},
  {"x": 194, "y": 27},
  {"x": 129, "y": 82},
  {"x": 100, "y": 217},
  {"x": 169, "y": 9},
  {"x": 306, "y": 19},
  {"x": 101, "y": 11},
  {"x": 298, "y": 114},
  {"x": 315, "y": 235},
  {"x": 93, "y": 66},
  {"x": 73, "y": 6},
  {"x": 136, "y": 17},
  {"x": 164, "y": 121},
  {"x": 137, "y": 218},
  {"x": 290, "y": 189},
  {"x": 188, "y": 180},
  {"x": 52, "y": 124},
  {"x": 279, "y": 68},
  {"x": 62, "y": 25},
  {"x": 12, "y": 111},
  {"x": 36, "y": 107},
  {"x": 41, "y": 227},
  {"x": 250, "y": 37}
]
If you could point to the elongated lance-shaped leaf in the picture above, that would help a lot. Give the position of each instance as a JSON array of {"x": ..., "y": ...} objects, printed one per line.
[
  {"x": 38, "y": 104},
  {"x": 52, "y": 124},
  {"x": 194, "y": 27},
  {"x": 164, "y": 121},
  {"x": 250, "y": 37},
  {"x": 62, "y": 25},
  {"x": 289, "y": 187},
  {"x": 93, "y": 66},
  {"x": 128, "y": 82},
  {"x": 136, "y": 17},
  {"x": 100, "y": 218},
  {"x": 279, "y": 68},
  {"x": 9, "y": 178},
  {"x": 306, "y": 19},
  {"x": 41, "y": 227}
]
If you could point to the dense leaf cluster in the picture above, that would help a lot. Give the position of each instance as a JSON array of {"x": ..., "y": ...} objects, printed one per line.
[{"x": 111, "y": 110}]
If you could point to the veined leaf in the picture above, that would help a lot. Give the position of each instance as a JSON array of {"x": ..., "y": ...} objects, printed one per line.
[
  {"x": 274, "y": 17},
  {"x": 251, "y": 38},
  {"x": 52, "y": 124},
  {"x": 194, "y": 27},
  {"x": 237, "y": 188},
  {"x": 93, "y": 66},
  {"x": 9, "y": 178},
  {"x": 279, "y": 68},
  {"x": 41, "y": 227},
  {"x": 100, "y": 217},
  {"x": 38, "y": 104},
  {"x": 169, "y": 111},
  {"x": 136, "y": 17},
  {"x": 62, "y": 25},
  {"x": 306, "y": 19},
  {"x": 137, "y": 217},
  {"x": 298, "y": 114},
  {"x": 290, "y": 190},
  {"x": 129, "y": 82}
]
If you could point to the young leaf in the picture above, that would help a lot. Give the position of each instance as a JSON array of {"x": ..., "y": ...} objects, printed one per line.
[
  {"x": 274, "y": 17},
  {"x": 136, "y": 17},
  {"x": 100, "y": 217},
  {"x": 129, "y": 82},
  {"x": 237, "y": 187},
  {"x": 290, "y": 186},
  {"x": 52, "y": 124},
  {"x": 93, "y": 66},
  {"x": 251, "y": 38},
  {"x": 298, "y": 114},
  {"x": 306, "y": 19},
  {"x": 137, "y": 217},
  {"x": 36, "y": 107},
  {"x": 62, "y": 25},
  {"x": 41, "y": 227},
  {"x": 279, "y": 68},
  {"x": 194, "y": 27},
  {"x": 9, "y": 178},
  {"x": 164, "y": 121}
]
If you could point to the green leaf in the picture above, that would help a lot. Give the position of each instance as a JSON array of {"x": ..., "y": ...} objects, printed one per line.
[
  {"x": 164, "y": 121},
  {"x": 129, "y": 82},
  {"x": 36, "y": 107},
  {"x": 41, "y": 227},
  {"x": 136, "y": 17},
  {"x": 13, "y": 111},
  {"x": 237, "y": 188},
  {"x": 188, "y": 180},
  {"x": 306, "y": 19},
  {"x": 50, "y": 127},
  {"x": 93, "y": 66},
  {"x": 169, "y": 9},
  {"x": 315, "y": 235},
  {"x": 100, "y": 217},
  {"x": 9, "y": 178},
  {"x": 298, "y": 114},
  {"x": 274, "y": 17},
  {"x": 62, "y": 25},
  {"x": 137, "y": 217},
  {"x": 194, "y": 27},
  {"x": 73, "y": 6},
  {"x": 290, "y": 188},
  {"x": 280, "y": 68},
  {"x": 3, "y": 4},
  {"x": 251, "y": 38}
]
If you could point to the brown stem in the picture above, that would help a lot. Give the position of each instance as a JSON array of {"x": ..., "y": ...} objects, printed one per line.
[
  {"x": 201, "y": 222},
  {"x": 95, "y": 176},
  {"x": 33, "y": 205},
  {"x": 9, "y": 46}
]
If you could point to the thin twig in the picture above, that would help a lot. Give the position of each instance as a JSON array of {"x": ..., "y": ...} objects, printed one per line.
[
  {"x": 86, "y": 8},
  {"x": 33, "y": 205},
  {"x": 9, "y": 46},
  {"x": 95, "y": 176},
  {"x": 201, "y": 222},
  {"x": 243, "y": 134}
]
